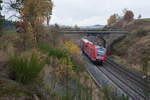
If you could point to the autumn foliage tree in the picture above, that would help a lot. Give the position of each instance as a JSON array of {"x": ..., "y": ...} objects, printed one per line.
[
  {"x": 33, "y": 13},
  {"x": 112, "y": 19},
  {"x": 49, "y": 14},
  {"x": 128, "y": 15}
]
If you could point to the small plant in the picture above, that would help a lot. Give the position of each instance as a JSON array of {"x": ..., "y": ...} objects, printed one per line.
[{"x": 25, "y": 69}]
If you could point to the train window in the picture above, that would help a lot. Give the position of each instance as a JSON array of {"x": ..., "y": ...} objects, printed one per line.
[{"x": 100, "y": 52}]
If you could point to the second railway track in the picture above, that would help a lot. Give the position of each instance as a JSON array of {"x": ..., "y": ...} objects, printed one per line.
[{"x": 129, "y": 79}]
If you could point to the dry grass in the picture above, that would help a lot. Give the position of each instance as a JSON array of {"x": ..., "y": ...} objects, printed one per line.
[
  {"x": 130, "y": 50},
  {"x": 125, "y": 62},
  {"x": 97, "y": 94}
]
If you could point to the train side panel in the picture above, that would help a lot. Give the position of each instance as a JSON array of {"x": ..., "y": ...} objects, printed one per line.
[
  {"x": 89, "y": 49},
  {"x": 92, "y": 52}
]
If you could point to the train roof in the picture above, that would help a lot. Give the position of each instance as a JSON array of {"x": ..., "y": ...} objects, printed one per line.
[
  {"x": 97, "y": 41},
  {"x": 86, "y": 41}
]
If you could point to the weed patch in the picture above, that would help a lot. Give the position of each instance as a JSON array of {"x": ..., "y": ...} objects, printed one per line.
[{"x": 25, "y": 70}]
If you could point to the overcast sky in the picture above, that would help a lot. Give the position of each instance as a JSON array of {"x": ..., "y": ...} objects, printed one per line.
[{"x": 91, "y": 12}]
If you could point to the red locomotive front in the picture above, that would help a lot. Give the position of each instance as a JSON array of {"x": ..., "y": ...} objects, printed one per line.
[{"x": 95, "y": 52}]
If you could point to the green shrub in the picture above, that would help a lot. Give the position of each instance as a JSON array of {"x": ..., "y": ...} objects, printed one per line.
[
  {"x": 9, "y": 32},
  {"x": 54, "y": 52},
  {"x": 44, "y": 47},
  {"x": 25, "y": 70}
]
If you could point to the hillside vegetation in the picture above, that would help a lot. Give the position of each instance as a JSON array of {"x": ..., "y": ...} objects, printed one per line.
[
  {"x": 42, "y": 71},
  {"x": 133, "y": 50},
  {"x": 37, "y": 62}
]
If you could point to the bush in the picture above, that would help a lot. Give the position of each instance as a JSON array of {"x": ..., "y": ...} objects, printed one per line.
[
  {"x": 74, "y": 50},
  {"x": 65, "y": 70},
  {"x": 44, "y": 47},
  {"x": 141, "y": 32},
  {"x": 54, "y": 52},
  {"x": 26, "y": 70},
  {"x": 59, "y": 53},
  {"x": 69, "y": 58}
]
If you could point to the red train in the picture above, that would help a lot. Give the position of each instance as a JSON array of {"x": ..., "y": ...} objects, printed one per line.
[{"x": 95, "y": 52}]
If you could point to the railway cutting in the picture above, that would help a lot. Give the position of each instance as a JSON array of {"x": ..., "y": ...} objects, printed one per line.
[{"x": 125, "y": 81}]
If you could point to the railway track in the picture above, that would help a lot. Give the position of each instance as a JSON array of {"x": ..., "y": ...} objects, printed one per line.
[
  {"x": 134, "y": 84},
  {"x": 136, "y": 76},
  {"x": 107, "y": 73},
  {"x": 129, "y": 75},
  {"x": 129, "y": 82}
]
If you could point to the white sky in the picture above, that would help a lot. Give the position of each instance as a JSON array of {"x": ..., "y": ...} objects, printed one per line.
[{"x": 91, "y": 12}]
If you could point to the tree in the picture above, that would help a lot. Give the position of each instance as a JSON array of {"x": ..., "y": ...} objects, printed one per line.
[
  {"x": 112, "y": 19},
  {"x": 1, "y": 17},
  {"x": 33, "y": 13},
  {"x": 128, "y": 15},
  {"x": 49, "y": 14}
]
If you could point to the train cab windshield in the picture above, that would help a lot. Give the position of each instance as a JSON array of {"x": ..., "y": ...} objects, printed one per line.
[{"x": 100, "y": 52}]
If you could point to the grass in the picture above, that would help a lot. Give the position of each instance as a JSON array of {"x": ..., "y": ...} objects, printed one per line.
[
  {"x": 9, "y": 32},
  {"x": 25, "y": 70},
  {"x": 147, "y": 19}
]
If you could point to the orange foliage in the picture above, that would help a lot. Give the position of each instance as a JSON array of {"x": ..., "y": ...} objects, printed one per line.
[
  {"x": 33, "y": 15},
  {"x": 112, "y": 19},
  {"x": 73, "y": 48},
  {"x": 128, "y": 15}
]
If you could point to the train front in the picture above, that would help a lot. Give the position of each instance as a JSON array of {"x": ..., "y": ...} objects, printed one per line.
[{"x": 101, "y": 54}]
